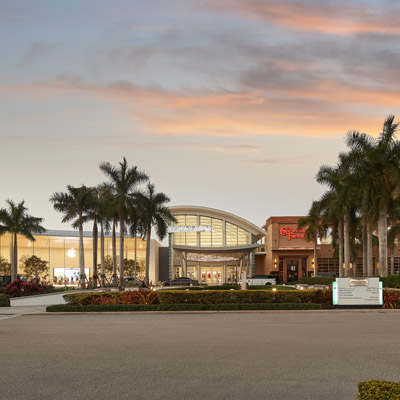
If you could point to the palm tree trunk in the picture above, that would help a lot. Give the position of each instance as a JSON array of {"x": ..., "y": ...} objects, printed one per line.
[
  {"x": 14, "y": 261},
  {"x": 370, "y": 269},
  {"x": 315, "y": 256},
  {"x": 382, "y": 231},
  {"x": 346, "y": 247},
  {"x": 392, "y": 259},
  {"x": 365, "y": 249},
  {"x": 103, "y": 276},
  {"x": 114, "y": 255},
  {"x": 148, "y": 238},
  {"x": 95, "y": 245},
  {"x": 121, "y": 252},
  {"x": 340, "y": 237},
  {"x": 135, "y": 253},
  {"x": 81, "y": 257}
]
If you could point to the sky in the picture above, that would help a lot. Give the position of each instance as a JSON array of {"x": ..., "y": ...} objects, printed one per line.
[{"x": 228, "y": 104}]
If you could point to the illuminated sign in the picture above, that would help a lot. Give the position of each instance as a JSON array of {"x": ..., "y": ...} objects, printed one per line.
[
  {"x": 71, "y": 253},
  {"x": 292, "y": 233},
  {"x": 187, "y": 228}
]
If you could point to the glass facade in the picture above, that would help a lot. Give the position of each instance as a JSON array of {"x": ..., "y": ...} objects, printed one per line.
[
  {"x": 223, "y": 233},
  {"x": 61, "y": 251},
  {"x": 211, "y": 232}
]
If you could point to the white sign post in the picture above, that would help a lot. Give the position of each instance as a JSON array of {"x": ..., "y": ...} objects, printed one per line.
[{"x": 357, "y": 292}]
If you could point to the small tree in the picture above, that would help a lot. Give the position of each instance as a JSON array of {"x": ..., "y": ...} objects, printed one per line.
[
  {"x": 108, "y": 266},
  {"x": 5, "y": 266},
  {"x": 35, "y": 267}
]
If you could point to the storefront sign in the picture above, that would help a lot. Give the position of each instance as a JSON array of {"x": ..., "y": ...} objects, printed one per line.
[
  {"x": 188, "y": 228},
  {"x": 357, "y": 291},
  {"x": 292, "y": 233}
]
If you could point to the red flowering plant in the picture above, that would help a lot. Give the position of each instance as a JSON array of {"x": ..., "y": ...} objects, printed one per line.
[{"x": 19, "y": 287}]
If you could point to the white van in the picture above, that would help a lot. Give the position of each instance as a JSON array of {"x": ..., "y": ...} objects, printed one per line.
[{"x": 260, "y": 280}]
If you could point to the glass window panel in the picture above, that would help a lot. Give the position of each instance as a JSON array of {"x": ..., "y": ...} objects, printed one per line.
[
  {"x": 205, "y": 237},
  {"x": 243, "y": 237},
  {"x": 216, "y": 233},
  {"x": 179, "y": 238},
  {"x": 231, "y": 232},
  {"x": 191, "y": 237}
]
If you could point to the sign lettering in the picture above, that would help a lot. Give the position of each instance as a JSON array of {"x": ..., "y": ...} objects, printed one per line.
[
  {"x": 292, "y": 233},
  {"x": 187, "y": 228}
]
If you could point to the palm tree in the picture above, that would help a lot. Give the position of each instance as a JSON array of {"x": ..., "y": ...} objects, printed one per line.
[
  {"x": 16, "y": 220},
  {"x": 123, "y": 181},
  {"x": 382, "y": 159},
  {"x": 315, "y": 229},
  {"x": 75, "y": 204},
  {"x": 136, "y": 226},
  {"x": 155, "y": 213}
]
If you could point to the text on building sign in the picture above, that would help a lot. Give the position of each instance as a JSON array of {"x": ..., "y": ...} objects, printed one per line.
[
  {"x": 292, "y": 233},
  {"x": 186, "y": 228}
]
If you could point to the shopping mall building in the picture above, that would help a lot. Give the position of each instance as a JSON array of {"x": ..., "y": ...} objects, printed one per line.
[{"x": 206, "y": 244}]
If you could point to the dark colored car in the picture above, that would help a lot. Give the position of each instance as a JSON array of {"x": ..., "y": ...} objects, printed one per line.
[{"x": 182, "y": 281}]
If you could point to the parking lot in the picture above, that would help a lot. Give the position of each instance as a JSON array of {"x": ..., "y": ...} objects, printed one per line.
[{"x": 253, "y": 355}]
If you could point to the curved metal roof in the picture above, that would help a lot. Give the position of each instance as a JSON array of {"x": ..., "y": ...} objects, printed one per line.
[{"x": 214, "y": 213}]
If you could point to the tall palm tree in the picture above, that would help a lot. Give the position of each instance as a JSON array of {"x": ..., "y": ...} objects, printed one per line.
[
  {"x": 316, "y": 229},
  {"x": 382, "y": 159},
  {"x": 75, "y": 204},
  {"x": 105, "y": 211},
  {"x": 16, "y": 220},
  {"x": 123, "y": 180},
  {"x": 154, "y": 212},
  {"x": 136, "y": 226}
]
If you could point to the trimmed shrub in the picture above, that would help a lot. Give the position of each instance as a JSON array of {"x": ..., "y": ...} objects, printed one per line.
[
  {"x": 4, "y": 300},
  {"x": 393, "y": 281},
  {"x": 235, "y": 296},
  {"x": 128, "y": 297},
  {"x": 378, "y": 390},
  {"x": 317, "y": 280},
  {"x": 181, "y": 307}
]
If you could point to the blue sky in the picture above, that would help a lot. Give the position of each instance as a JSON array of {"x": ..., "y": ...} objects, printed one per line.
[{"x": 227, "y": 104}]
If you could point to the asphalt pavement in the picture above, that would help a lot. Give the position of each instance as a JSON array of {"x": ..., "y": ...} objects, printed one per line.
[{"x": 250, "y": 355}]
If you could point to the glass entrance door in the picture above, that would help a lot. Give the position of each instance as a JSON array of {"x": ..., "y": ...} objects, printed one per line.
[{"x": 292, "y": 270}]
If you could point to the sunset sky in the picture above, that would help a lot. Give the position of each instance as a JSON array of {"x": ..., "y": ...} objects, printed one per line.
[{"x": 226, "y": 104}]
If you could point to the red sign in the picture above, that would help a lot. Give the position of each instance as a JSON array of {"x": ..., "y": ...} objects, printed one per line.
[{"x": 292, "y": 233}]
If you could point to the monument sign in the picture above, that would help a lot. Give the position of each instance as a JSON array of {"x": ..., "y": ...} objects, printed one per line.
[{"x": 357, "y": 292}]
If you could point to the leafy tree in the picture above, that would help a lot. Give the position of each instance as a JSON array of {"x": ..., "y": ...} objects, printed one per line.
[
  {"x": 5, "y": 266},
  {"x": 75, "y": 205},
  {"x": 16, "y": 220},
  {"x": 35, "y": 267},
  {"x": 123, "y": 180}
]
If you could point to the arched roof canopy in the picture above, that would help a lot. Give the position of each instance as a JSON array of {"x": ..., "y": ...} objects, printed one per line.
[{"x": 219, "y": 214}]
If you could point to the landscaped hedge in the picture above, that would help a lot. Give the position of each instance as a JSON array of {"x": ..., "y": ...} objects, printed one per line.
[
  {"x": 378, "y": 390},
  {"x": 236, "y": 296},
  {"x": 317, "y": 280},
  {"x": 234, "y": 287},
  {"x": 182, "y": 307},
  {"x": 4, "y": 300},
  {"x": 393, "y": 281}
]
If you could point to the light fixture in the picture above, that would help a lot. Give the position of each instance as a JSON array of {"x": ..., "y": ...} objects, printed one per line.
[
  {"x": 274, "y": 289},
  {"x": 275, "y": 263},
  {"x": 351, "y": 265}
]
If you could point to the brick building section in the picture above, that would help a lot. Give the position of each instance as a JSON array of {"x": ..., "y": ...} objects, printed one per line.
[{"x": 288, "y": 254}]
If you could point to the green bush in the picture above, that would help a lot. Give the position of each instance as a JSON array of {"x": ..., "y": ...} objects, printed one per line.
[
  {"x": 317, "y": 280},
  {"x": 393, "y": 281},
  {"x": 235, "y": 296},
  {"x": 4, "y": 300},
  {"x": 181, "y": 307},
  {"x": 378, "y": 390}
]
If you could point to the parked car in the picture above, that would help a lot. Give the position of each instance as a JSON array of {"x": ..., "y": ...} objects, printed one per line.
[
  {"x": 182, "y": 281},
  {"x": 260, "y": 280}
]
